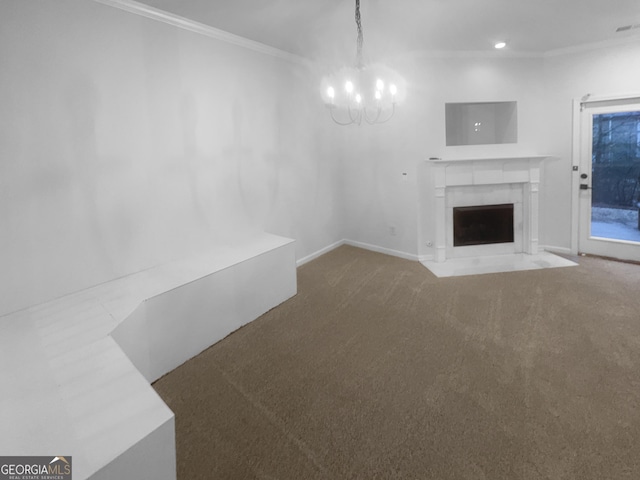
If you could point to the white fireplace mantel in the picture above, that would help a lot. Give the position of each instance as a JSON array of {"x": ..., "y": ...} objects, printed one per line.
[{"x": 453, "y": 182}]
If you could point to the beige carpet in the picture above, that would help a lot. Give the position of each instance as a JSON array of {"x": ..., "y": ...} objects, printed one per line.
[{"x": 379, "y": 370}]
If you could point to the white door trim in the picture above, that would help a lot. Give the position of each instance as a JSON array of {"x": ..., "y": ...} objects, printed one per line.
[
  {"x": 579, "y": 105},
  {"x": 575, "y": 177}
]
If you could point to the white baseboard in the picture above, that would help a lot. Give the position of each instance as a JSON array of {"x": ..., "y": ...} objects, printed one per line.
[
  {"x": 387, "y": 251},
  {"x": 366, "y": 246},
  {"x": 405, "y": 255},
  {"x": 555, "y": 249},
  {"x": 320, "y": 252}
]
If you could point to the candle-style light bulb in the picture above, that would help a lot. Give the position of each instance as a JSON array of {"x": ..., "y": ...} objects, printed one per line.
[
  {"x": 378, "y": 95},
  {"x": 379, "y": 85},
  {"x": 358, "y": 98},
  {"x": 393, "y": 89},
  {"x": 348, "y": 86}
]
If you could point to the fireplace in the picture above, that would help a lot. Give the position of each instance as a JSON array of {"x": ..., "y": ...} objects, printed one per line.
[
  {"x": 482, "y": 225},
  {"x": 494, "y": 201},
  {"x": 491, "y": 202}
]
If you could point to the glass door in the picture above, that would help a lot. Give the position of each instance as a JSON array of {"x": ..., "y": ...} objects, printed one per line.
[{"x": 610, "y": 180}]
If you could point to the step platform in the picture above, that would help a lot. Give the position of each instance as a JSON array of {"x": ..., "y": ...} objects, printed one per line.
[{"x": 75, "y": 372}]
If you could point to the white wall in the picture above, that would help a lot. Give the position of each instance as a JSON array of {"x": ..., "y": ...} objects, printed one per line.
[
  {"x": 601, "y": 71},
  {"x": 126, "y": 142}
]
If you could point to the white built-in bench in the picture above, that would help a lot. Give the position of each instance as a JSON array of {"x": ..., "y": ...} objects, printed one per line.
[{"x": 75, "y": 372}]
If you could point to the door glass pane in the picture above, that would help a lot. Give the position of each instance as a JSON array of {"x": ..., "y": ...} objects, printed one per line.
[{"x": 615, "y": 176}]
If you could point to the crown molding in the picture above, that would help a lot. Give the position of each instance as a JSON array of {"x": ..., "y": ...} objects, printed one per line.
[
  {"x": 156, "y": 14},
  {"x": 464, "y": 54},
  {"x": 483, "y": 54},
  {"x": 587, "y": 47}
]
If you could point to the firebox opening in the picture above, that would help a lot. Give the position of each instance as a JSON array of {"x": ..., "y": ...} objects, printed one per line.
[{"x": 482, "y": 224}]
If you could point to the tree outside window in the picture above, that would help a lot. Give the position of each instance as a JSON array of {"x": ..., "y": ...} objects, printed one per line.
[{"x": 616, "y": 160}]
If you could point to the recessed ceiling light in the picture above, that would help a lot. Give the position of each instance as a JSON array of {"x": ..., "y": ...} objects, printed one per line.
[{"x": 500, "y": 45}]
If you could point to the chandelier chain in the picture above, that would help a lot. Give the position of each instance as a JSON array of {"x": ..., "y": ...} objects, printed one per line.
[{"x": 359, "y": 62}]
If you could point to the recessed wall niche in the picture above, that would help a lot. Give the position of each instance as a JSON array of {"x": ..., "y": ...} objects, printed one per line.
[{"x": 481, "y": 123}]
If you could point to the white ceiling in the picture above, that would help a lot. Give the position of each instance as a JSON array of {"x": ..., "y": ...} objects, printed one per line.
[{"x": 319, "y": 28}]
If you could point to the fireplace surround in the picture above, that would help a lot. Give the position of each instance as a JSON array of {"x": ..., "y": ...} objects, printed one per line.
[{"x": 485, "y": 181}]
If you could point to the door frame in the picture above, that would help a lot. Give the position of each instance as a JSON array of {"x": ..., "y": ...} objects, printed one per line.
[{"x": 576, "y": 150}]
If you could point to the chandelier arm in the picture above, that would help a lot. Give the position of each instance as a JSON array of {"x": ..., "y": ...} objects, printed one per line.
[
  {"x": 358, "y": 118},
  {"x": 393, "y": 111},
  {"x": 374, "y": 120},
  {"x": 377, "y": 121},
  {"x": 338, "y": 121}
]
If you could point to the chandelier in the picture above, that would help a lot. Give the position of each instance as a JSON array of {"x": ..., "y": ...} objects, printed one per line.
[{"x": 362, "y": 92}]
